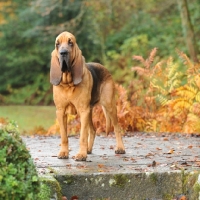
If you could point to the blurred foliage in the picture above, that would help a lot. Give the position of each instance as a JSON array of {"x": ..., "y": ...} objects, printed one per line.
[
  {"x": 18, "y": 176},
  {"x": 107, "y": 31}
]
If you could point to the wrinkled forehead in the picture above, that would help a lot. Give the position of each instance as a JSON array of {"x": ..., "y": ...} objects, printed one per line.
[{"x": 65, "y": 37}]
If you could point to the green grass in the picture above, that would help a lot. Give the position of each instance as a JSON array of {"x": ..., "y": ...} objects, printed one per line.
[{"x": 29, "y": 117}]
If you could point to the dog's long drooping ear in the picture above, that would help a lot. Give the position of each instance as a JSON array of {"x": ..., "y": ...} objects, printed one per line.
[
  {"x": 77, "y": 65},
  {"x": 55, "y": 70}
]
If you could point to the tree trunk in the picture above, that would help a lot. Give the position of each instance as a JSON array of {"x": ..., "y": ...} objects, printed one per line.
[{"x": 188, "y": 30}]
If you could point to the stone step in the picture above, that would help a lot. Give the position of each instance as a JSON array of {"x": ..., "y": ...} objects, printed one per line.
[{"x": 153, "y": 168}]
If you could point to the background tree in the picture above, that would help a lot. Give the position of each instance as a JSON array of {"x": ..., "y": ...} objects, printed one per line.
[{"x": 188, "y": 30}]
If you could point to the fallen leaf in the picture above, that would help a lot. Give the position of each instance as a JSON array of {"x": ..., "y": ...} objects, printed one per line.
[
  {"x": 153, "y": 164},
  {"x": 168, "y": 157},
  {"x": 158, "y": 148},
  {"x": 185, "y": 164},
  {"x": 74, "y": 198},
  {"x": 171, "y": 151},
  {"x": 79, "y": 166},
  {"x": 101, "y": 170},
  {"x": 133, "y": 159},
  {"x": 101, "y": 165},
  {"x": 165, "y": 139},
  {"x": 69, "y": 166},
  {"x": 149, "y": 154},
  {"x": 190, "y": 147},
  {"x": 181, "y": 197},
  {"x": 172, "y": 166},
  {"x": 126, "y": 159}
]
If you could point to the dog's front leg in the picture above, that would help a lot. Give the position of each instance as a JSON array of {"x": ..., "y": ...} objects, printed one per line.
[
  {"x": 62, "y": 119},
  {"x": 85, "y": 127}
]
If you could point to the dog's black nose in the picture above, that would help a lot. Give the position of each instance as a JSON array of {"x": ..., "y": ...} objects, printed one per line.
[{"x": 63, "y": 52}]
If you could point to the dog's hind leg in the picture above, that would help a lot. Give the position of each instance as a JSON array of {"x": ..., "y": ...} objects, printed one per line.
[
  {"x": 108, "y": 121},
  {"x": 91, "y": 135},
  {"x": 108, "y": 102}
]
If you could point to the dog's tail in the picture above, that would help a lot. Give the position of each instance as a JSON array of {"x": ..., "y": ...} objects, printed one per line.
[{"x": 108, "y": 122}]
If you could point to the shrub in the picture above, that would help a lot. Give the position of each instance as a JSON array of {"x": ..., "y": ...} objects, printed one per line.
[{"x": 18, "y": 176}]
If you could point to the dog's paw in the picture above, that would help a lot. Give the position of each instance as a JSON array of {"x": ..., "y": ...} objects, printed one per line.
[
  {"x": 89, "y": 151},
  {"x": 80, "y": 157},
  {"x": 120, "y": 151},
  {"x": 63, "y": 155}
]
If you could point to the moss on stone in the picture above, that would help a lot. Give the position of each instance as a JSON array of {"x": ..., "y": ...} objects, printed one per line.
[
  {"x": 154, "y": 178},
  {"x": 68, "y": 179},
  {"x": 50, "y": 189},
  {"x": 119, "y": 180},
  {"x": 167, "y": 196}
]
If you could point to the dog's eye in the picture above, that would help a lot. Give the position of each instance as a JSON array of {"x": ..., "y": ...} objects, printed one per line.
[
  {"x": 70, "y": 43},
  {"x": 57, "y": 43}
]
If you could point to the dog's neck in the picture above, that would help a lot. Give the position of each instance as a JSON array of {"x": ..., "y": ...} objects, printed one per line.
[{"x": 67, "y": 78}]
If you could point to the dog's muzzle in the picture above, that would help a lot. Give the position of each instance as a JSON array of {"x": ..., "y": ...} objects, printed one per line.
[
  {"x": 64, "y": 52},
  {"x": 64, "y": 61}
]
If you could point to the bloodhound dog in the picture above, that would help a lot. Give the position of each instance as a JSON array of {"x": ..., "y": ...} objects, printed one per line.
[{"x": 77, "y": 88}]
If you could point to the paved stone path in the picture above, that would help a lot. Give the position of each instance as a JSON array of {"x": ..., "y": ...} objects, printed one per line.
[{"x": 144, "y": 153}]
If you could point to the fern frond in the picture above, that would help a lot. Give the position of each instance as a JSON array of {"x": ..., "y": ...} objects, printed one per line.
[
  {"x": 173, "y": 83},
  {"x": 139, "y": 58},
  {"x": 151, "y": 125},
  {"x": 193, "y": 70},
  {"x": 157, "y": 69},
  {"x": 172, "y": 68},
  {"x": 180, "y": 104},
  {"x": 162, "y": 100},
  {"x": 151, "y": 57},
  {"x": 140, "y": 124},
  {"x": 197, "y": 80},
  {"x": 192, "y": 117},
  {"x": 150, "y": 115},
  {"x": 150, "y": 100},
  {"x": 192, "y": 124},
  {"x": 195, "y": 109},
  {"x": 197, "y": 97},
  {"x": 169, "y": 61},
  {"x": 188, "y": 92},
  {"x": 141, "y": 71},
  {"x": 159, "y": 88},
  {"x": 191, "y": 88},
  {"x": 185, "y": 59}
]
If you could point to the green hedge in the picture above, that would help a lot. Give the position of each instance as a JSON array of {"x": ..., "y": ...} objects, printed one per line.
[{"x": 18, "y": 176}]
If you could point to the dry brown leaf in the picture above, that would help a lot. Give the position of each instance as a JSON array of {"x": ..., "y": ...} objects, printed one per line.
[
  {"x": 158, "y": 148},
  {"x": 74, "y": 198},
  {"x": 165, "y": 139},
  {"x": 101, "y": 165},
  {"x": 171, "y": 151},
  {"x": 149, "y": 154}
]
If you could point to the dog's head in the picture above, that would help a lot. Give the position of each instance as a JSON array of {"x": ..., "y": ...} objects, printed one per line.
[{"x": 66, "y": 58}]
